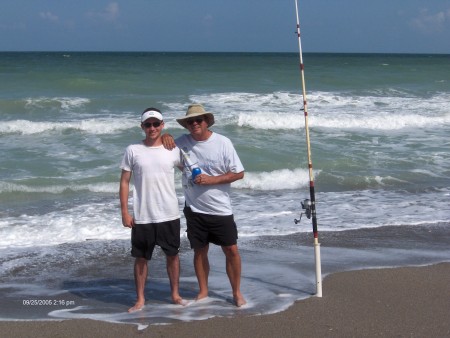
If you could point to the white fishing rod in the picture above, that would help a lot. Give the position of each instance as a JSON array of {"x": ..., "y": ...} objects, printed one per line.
[
  {"x": 309, "y": 205},
  {"x": 193, "y": 167}
]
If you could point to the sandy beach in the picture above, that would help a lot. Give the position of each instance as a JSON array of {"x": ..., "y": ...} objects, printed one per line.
[{"x": 397, "y": 302}]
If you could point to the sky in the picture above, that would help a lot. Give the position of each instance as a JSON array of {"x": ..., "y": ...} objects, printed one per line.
[{"x": 347, "y": 26}]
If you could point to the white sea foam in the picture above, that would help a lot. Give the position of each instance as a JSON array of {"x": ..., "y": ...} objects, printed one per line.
[
  {"x": 272, "y": 111},
  {"x": 381, "y": 121},
  {"x": 274, "y": 180},
  {"x": 282, "y": 110},
  {"x": 64, "y": 103},
  {"x": 264, "y": 202},
  {"x": 8, "y": 187},
  {"x": 269, "y": 120},
  {"x": 283, "y": 179},
  {"x": 256, "y": 213},
  {"x": 92, "y": 126},
  {"x": 76, "y": 224},
  {"x": 267, "y": 290}
]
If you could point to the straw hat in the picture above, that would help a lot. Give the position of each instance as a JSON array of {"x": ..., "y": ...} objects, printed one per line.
[{"x": 193, "y": 111}]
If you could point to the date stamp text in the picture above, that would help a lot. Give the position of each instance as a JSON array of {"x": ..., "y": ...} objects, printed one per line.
[{"x": 48, "y": 302}]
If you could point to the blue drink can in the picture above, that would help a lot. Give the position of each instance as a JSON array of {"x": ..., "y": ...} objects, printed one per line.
[{"x": 195, "y": 172}]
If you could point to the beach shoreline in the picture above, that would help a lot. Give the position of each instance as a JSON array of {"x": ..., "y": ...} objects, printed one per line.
[
  {"x": 401, "y": 302},
  {"x": 380, "y": 150}
]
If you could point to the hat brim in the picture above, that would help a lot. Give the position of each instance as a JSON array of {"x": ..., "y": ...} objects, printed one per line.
[{"x": 183, "y": 120}]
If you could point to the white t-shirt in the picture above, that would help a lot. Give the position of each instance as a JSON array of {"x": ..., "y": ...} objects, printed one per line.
[
  {"x": 215, "y": 156},
  {"x": 154, "y": 196}
]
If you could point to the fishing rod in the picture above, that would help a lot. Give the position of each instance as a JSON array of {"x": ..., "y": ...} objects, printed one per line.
[
  {"x": 193, "y": 167},
  {"x": 309, "y": 205}
]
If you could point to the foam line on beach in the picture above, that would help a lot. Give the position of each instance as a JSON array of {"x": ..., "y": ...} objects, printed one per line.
[{"x": 369, "y": 303}]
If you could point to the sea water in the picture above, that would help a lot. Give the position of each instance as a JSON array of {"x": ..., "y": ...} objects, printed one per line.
[{"x": 379, "y": 127}]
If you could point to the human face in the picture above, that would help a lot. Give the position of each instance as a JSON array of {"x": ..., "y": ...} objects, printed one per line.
[
  {"x": 152, "y": 128},
  {"x": 193, "y": 120},
  {"x": 198, "y": 127},
  {"x": 152, "y": 124}
]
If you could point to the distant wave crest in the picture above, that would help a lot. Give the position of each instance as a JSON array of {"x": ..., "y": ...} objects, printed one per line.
[
  {"x": 275, "y": 180},
  {"x": 7, "y": 187},
  {"x": 92, "y": 126},
  {"x": 283, "y": 111},
  {"x": 64, "y": 103},
  {"x": 269, "y": 111}
]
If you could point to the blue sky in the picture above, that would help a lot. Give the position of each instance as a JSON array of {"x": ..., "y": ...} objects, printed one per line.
[{"x": 383, "y": 26}]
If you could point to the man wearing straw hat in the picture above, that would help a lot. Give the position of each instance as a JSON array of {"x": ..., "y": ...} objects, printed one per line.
[{"x": 208, "y": 209}]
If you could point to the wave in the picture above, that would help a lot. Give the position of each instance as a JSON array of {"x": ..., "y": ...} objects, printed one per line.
[
  {"x": 269, "y": 111},
  {"x": 77, "y": 223},
  {"x": 268, "y": 213},
  {"x": 64, "y": 103},
  {"x": 283, "y": 179},
  {"x": 271, "y": 121},
  {"x": 262, "y": 120},
  {"x": 283, "y": 110},
  {"x": 381, "y": 121},
  {"x": 280, "y": 179},
  {"x": 92, "y": 126},
  {"x": 7, "y": 187}
]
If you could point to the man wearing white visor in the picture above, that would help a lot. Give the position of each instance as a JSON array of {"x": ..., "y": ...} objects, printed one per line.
[{"x": 156, "y": 218}]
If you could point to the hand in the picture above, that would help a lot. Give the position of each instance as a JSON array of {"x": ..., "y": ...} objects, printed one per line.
[
  {"x": 127, "y": 221},
  {"x": 204, "y": 179},
  {"x": 229, "y": 177},
  {"x": 168, "y": 141}
]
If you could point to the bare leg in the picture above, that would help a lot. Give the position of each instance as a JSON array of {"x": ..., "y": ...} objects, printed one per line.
[
  {"x": 140, "y": 278},
  {"x": 173, "y": 271},
  {"x": 201, "y": 265},
  {"x": 233, "y": 267}
]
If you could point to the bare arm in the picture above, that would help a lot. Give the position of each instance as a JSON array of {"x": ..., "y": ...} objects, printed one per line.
[
  {"x": 168, "y": 141},
  {"x": 229, "y": 177},
  {"x": 127, "y": 219}
]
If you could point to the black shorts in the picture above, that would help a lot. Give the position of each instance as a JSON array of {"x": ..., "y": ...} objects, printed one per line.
[
  {"x": 203, "y": 229},
  {"x": 144, "y": 237}
]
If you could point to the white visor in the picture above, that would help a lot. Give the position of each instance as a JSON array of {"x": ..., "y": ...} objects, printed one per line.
[{"x": 151, "y": 113}]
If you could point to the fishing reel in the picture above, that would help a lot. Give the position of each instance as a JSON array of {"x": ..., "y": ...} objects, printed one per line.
[{"x": 306, "y": 205}]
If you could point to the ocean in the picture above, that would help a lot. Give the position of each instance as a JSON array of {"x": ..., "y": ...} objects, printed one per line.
[{"x": 379, "y": 127}]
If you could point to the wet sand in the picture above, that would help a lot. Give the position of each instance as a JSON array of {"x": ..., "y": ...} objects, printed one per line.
[{"x": 397, "y": 302}]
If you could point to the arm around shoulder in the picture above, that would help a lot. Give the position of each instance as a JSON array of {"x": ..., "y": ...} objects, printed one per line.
[{"x": 168, "y": 141}]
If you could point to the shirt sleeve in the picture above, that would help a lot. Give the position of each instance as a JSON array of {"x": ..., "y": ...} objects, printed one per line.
[{"x": 127, "y": 160}]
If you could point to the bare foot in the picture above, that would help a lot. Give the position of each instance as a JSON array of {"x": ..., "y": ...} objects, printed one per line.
[
  {"x": 239, "y": 301},
  {"x": 180, "y": 301},
  {"x": 137, "y": 307},
  {"x": 201, "y": 296}
]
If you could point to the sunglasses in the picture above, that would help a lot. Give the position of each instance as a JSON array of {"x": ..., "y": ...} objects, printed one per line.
[
  {"x": 154, "y": 124},
  {"x": 198, "y": 120}
]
